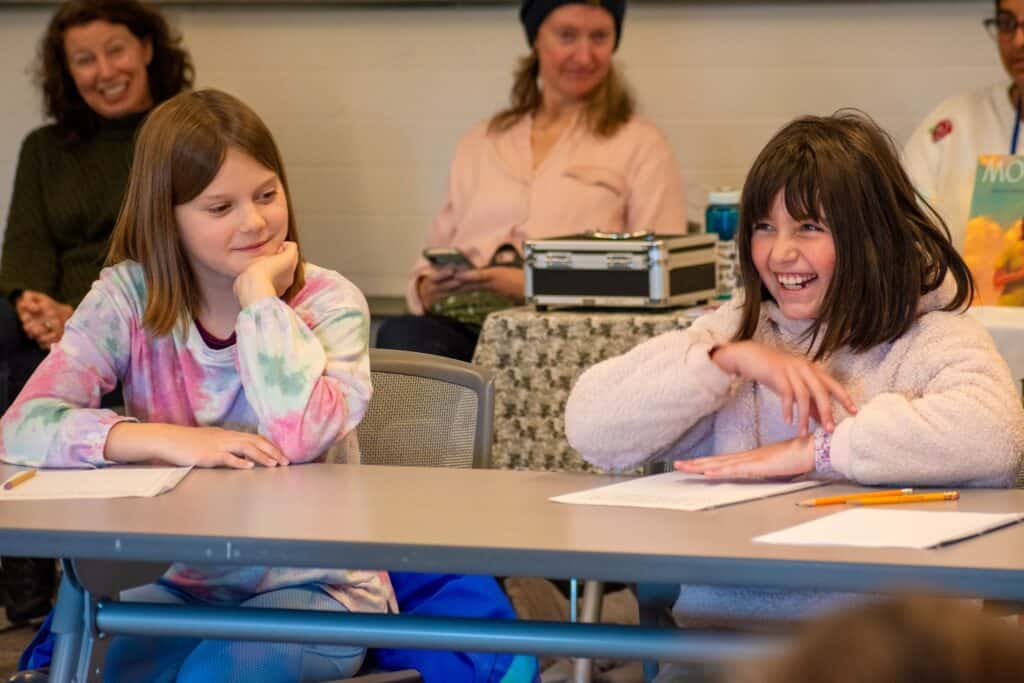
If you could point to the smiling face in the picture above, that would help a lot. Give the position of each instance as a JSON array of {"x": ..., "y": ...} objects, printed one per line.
[
  {"x": 108, "y": 65},
  {"x": 574, "y": 46},
  {"x": 242, "y": 215},
  {"x": 795, "y": 260}
]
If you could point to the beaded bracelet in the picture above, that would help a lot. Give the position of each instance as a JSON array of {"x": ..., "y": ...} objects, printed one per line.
[{"x": 823, "y": 451}]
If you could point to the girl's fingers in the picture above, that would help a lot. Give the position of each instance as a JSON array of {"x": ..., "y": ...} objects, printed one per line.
[
  {"x": 785, "y": 392},
  {"x": 821, "y": 397},
  {"x": 687, "y": 466},
  {"x": 814, "y": 414},
  {"x": 840, "y": 393},
  {"x": 271, "y": 450},
  {"x": 734, "y": 472},
  {"x": 233, "y": 461},
  {"x": 744, "y": 465},
  {"x": 714, "y": 462},
  {"x": 250, "y": 450},
  {"x": 802, "y": 396}
]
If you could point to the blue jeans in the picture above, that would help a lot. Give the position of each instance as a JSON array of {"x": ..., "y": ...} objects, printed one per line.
[{"x": 193, "y": 660}]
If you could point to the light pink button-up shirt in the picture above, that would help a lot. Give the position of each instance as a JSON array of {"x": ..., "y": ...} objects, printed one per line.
[{"x": 625, "y": 183}]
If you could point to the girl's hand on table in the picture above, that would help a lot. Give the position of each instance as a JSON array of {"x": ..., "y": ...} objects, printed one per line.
[
  {"x": 783, "y": 459},
  {"x": 130, "y": 442}
]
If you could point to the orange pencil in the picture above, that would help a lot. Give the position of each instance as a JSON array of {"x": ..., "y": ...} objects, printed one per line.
[
  {"x": 845, "y": 498},
  {"x": 916, "y": 498},
  {"x": 18, "y": 478}
]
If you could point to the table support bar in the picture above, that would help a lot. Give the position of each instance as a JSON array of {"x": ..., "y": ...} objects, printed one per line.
[{"x": 437, "y": 633}]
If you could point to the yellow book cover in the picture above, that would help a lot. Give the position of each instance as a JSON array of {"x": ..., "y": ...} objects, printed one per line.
[{"x": 994, "y": 244}]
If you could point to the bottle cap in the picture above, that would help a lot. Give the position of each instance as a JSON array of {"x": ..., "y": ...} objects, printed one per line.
[{"x": 724, "y": 195}]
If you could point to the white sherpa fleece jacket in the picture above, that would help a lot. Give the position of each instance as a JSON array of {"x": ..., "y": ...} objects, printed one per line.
[{"x": 936, "y": 407}]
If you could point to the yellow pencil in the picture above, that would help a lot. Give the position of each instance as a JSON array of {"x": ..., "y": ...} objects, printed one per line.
[
  {"x": 916, "y": 498},
  {"x": 845, "y": 498},
  {"x": 19, "y": 478}
]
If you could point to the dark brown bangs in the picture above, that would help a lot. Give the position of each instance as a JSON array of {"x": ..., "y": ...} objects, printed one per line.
[
  {"x": 794, "y": 169},
  {"x": 803, "y": 193}
]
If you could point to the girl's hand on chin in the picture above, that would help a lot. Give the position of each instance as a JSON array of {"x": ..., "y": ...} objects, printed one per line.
[
  {"x": 784, "y": 459},
  {"x": 268, "y": 276},
  {"x": 796, "y": 380}
]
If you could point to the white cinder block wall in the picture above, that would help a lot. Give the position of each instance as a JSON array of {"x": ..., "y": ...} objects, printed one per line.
[{"x": 367, "y": 103}]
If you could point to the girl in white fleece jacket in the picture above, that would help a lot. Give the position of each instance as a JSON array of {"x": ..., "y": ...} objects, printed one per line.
[{"x": 847, "y": 354}]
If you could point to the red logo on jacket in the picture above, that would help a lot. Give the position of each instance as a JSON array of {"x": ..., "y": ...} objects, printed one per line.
[{"x": 941, "y": 129}]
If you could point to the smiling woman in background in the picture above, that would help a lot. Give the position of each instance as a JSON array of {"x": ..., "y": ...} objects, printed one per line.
[
  {"x": 569, "y": 154},
  {"x": 103, "y": 64}
]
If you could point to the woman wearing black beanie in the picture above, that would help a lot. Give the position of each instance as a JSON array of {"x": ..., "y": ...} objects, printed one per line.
[{"x": 569, "y": 154}]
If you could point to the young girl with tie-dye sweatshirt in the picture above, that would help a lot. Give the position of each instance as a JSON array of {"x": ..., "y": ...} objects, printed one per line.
[{"x": 231, "y": 352}]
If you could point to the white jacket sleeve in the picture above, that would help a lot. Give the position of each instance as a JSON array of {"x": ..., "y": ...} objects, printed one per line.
[
  {"x": 921, "y": 161},
  {"x": 631, "y": 409},
  {"x": 962, "y": 424}
]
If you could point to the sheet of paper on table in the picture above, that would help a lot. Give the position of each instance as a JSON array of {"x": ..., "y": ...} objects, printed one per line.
[
  {"x": 681, "y": 491},
  {"x": 879, "y": 528},
  {"x": 104, "y": 482}
]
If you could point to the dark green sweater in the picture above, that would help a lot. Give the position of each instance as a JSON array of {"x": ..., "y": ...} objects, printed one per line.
[{"x": 63, "y": 208}]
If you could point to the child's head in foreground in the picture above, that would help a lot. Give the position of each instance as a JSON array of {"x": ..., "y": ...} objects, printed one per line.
[{"x": 912, "y": 639}]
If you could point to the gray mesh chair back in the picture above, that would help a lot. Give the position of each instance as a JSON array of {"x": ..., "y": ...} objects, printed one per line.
[{"x": 428, "y": 411}]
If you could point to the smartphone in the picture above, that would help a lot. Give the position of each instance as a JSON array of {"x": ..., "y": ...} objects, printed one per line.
[{"x": 440, "y": 257}]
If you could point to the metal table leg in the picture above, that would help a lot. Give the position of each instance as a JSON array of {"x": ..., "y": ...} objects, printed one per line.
[
  {"x": 73, "y": 628},
  {"x": 593, "y": 593}
]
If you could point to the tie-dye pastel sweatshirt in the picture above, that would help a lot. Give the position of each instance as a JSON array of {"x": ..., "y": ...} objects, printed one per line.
[{"x": 299, "y": 375}]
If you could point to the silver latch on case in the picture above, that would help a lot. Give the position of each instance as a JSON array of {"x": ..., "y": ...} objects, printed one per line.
[
  {"x": 619, "y": 261},
  {"x": 559, "y": 259}
]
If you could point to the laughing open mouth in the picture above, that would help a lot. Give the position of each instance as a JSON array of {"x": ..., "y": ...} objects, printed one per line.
[{"x": 795, "y": 282}]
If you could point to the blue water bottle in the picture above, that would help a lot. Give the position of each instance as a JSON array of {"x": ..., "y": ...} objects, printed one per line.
[{"x": 722, "y": 218}]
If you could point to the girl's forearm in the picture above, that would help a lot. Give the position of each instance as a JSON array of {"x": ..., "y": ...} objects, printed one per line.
[{"x": 131, "y": 442}]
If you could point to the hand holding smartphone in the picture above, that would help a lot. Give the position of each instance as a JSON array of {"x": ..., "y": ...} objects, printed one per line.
[{"x": 439, "y": 257}]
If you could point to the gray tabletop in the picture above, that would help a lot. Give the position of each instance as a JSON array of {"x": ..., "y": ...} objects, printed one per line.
[{"x": 494, "y": 522}]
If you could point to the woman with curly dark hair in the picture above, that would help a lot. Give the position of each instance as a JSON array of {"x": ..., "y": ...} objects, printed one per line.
[{"x": 102, "y": 65}]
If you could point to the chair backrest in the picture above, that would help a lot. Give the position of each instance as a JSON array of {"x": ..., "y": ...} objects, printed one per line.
[{"x": 426, "y": 410}]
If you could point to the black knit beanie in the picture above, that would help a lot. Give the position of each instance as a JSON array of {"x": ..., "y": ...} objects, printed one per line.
[{"x": 532, "y": 14}]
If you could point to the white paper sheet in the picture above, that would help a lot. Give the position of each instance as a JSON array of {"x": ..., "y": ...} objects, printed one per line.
[
  {"x": 105, "y": 482},
  {"x": 680, "y": 491},
  {"x": 873, "y": 528}
]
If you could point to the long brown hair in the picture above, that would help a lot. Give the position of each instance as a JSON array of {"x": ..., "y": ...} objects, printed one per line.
[
  {"x": 169, "y": 72},
  {"x": 609, "y": 106},
  {"x": 179, "y": 151},
  {"x": 891, "y": 246}
]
